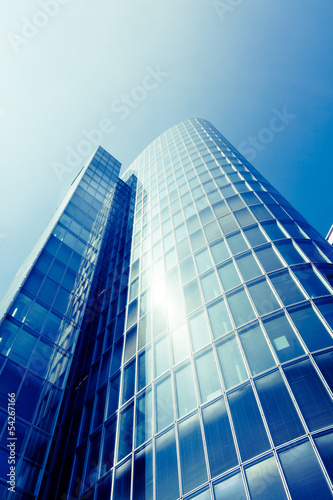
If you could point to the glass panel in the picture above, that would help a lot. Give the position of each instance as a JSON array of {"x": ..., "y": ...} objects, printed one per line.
[
  {"x": 219, "y": 251},
  {"x": 144, "y": 369},
  {"x": 250, "y": 431},
  {"x": 192, "y": 458},
  {"x": 23, "y": 347},
  {"x": 311, "y": 328},
  {"x": 310, "y": 394},
  {"x": 264, "y": 481},
  {"x": 240, "y": 306},
  {"x": 125, "y": 432},
  {"x": 128, "y": 381},
  {"x": 255, "y": 236},
  {"x": 248, "y": 266},
  {"x": 108, "y": 446},
  {"x": 187, "y": 270},
  {"x": 256, "y": 349},
  {"x": 179, "y": 343},
  {"x": 310, "y": 281},
  {"x": 231, "y": 361},
  {"x": 164, "y": 404},
  {"x": 144, "y": 422},
  {"x": 228, "y": 275},
  {"x": 281, "y": 415},
  {"x": 325, "y": 446},
  {"x": 199, "y": 331},
  {"x": 303, "y": 473},
  {"x": 143, "y": 474},
  {"x": 228, "y": 223},
  {"x": 326, "y": 309},
  {"x": 122, "y": 487},
  {"x": 219, "y": 440},
  {"x": 161, "y": 356},
  {"x": 283, "y": 338},
  {"x": 237, "y": 243},
  {"x": 231, "y": 488},
  {"x": 210, "y": 286},
  {"x": 166, "y": 467},
  {"x": 325, "y": 363},
  {"x": 185, "y": 392},
  {"x": 268, "y": 259},
  {"x": 92, "y": 462},
  {"x": 219, "y": 319},
  {"x": 192, "y": 296},
  {"x": 273, "y": 230},
  {"x": 289, "y": 252},
  {"x": 207, "y": 376},
  {"x": 203, "y": 261},
  {"x": 263, "y": 297},
  {"x": 286, "y": 288}
]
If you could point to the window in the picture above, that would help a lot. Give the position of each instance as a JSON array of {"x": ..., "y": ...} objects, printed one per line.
[
  {"x": 281, "y": 415},
  {"x": 144, "y": 423},
  {"x": 240, "y": 306},
  {"x": 219, "y": 318},
  {"x": 230, "y": 488},
  {"x": 255, "y": 236},
  {"x": 256, "y": 349},
  {"x": 286, "y": 288},
  {"x": 289, "y": 252},
  {"x": 310, "y": 328},
  {"x": 199, "y": 331},
  {"x": 192, "y": 458},
  {"x": 163, "y": 404},
  {"x": 166, "y": 467},
  {"x": 229, "y": 275},
  {"x": 283, "y": 338},
  {"x": 264, "y": 481},
  {"x": 219, "y": 440},
  {"x": 263, "y": 297},
  {"x": 248, "y": 266},
  {"x": 310, "y": 281},
  {"x": 207, "y": 376},
  {"x": 143, "y": 474},
  {"x": 210, "y": 286},
  {"x": 231, "y": 361},
  {"x": 268, "y": 258},
  {"x": 250, "y": 431},
  {"x": 185, "y": 392}
]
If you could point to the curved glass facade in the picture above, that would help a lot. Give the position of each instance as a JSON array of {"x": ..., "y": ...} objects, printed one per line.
[{"x": 203, "y": 367}]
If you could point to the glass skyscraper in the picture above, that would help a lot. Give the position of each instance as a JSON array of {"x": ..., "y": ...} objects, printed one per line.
[{"x": 170, "y": 337}]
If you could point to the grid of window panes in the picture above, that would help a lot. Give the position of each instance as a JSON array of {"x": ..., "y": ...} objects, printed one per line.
[
  {"x": 39, "y": 332},
  {"x": 227, "y": 367}
]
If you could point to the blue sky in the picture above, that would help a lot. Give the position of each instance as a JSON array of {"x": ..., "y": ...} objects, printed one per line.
[{"x": 70, "y": 68}]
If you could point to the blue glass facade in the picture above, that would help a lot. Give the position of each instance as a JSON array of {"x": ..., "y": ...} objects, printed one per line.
[{"x": 173, "y": 337}]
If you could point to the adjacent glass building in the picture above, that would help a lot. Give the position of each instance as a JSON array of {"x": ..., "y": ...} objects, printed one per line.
[{"x": 171, "y": 336}]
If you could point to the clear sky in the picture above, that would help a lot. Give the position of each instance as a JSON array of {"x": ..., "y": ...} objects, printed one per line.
[{"x": 130, "y": 69}]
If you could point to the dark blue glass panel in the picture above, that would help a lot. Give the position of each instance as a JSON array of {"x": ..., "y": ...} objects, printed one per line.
[
  {"x": 125, "y": 432},
  {"x": 219, "y": 440},
  {"x": 166, "y": 467},
  {"x": 283, "y": 338},
  {"x": 326, "y": 309},
  {"x": 122, "y": 486},
  {"x": 28, "y": 396},
  {"x": 325, "y": 363},
  {"x": 8, "y": 332},
  {"x": 303, "y": 473},
  {"x": 108, "y": 446},
  {"x": 231, "y": 488},
  {"x": 263, "y": 297},
  {"x": 286, "y": 288},
  {"x": 255, "y": 236},
  {"x": 281, "y": 415},
  {"x": 143, "y": 474},
  {"x": 273, "y": 230},
  {"x": 324, "y": 444},
  {"x": 310, "y": 328},
  {"x": 289, "y": 252},
  {"x": 250, "y": 431},
  {"x": 310, "y": 281},
  {"x": 192, "y": 458},
  {"x": 268, "y": 258},
  {"x": 265, "y": 481},
  {"x": 104, "y": 489},
  {"x": 23, "y": 347},
  {"x": 310, "y": 394},
  {"x": 128, "y": 381}
]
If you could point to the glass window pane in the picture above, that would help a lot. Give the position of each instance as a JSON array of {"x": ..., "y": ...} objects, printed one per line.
[
  {"x": 286, "y": 288},
  {"x": 240, "y": 306},
  {"x": 187, "y": 270},
  {"x": 263, "y": 297},
  {"x": 244, "y": 217},
  {"x": 23, "y": 347},
  {"x": 310, "y": 281},
  {"x": 325, "y": 446},
  {"x": 250, "y": 431},
  {"x": 237, "y": 243},
  {"x": 255, "y": 236},
  {"x": 192, "y": 458},
  {"x": 128, "y": 381},
  {"x": 219, "y": 251},
  {"x": 256, "y": 349},
  {"x": 207, "y": 376},
  {"x": 122, "y": 486},
  {"x": 219, "y": 319},
  {"x": 230, "y": 488},
  {"x": 325, "y": 363},
  {"x": 203, "y": 261},
  {"x": 185, "y": 391},
  {"x": 248, "y": 266},
  {"x": 273, "y": 230},
  {"x": 228, "y": 223},
  {"x": 125, "y": 432},
  {"x": 229, "y": 275},
  {"x": 280, "y": 413},
  {"x": 303, "y": 473},
  {"x": 192, "y": 296},
  {"x": 289, "y": 252},
  {"x": 283, "y": 338},
  {"x": 144, "y": 423},
  {"x": 199, "y": 331},
  {"x": 161, "y": 356},
  {"x": 164, "y": 404},
  {"x": 310, "y": 394},
  {"x": 210, "y": 286},
  {"x": 144, "y": 369},
  {"x": 179, "y": 343},
  {"x": 143, "y": 474},
  {"x": 219, "y": 440},
  {"x": 108, "y": 447},
  {"x": 166, "y": 467},
  {"x": 264, "y": 481},
  {"x": 231, "y": 361},
  {"x": 268, "y": 259},
  {"x": 310, "y": 328}
]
